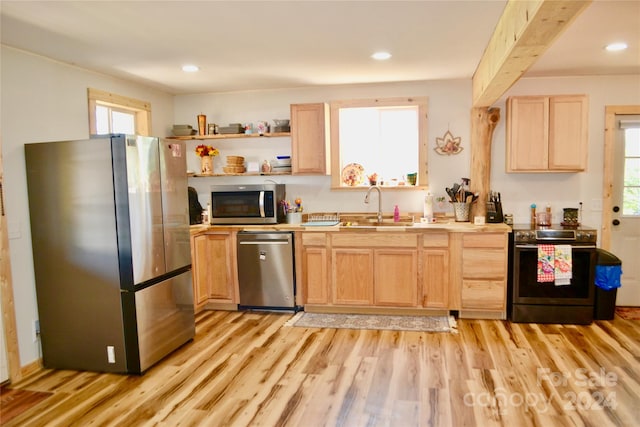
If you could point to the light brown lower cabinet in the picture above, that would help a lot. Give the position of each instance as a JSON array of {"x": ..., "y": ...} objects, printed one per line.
[
  {"x": 435, "y": 270},
  {"x": 395, "y": 281},
  {"x": 361, "y": 269},
  {"x": 484, "y": 271},
  {"x": 435, "y": 278},
  {"x": 214, "y": 267},
  {"x": 430, "y": 270},
  {"x": 315, "y": 268},
  {"x": 352, "y": 276}
]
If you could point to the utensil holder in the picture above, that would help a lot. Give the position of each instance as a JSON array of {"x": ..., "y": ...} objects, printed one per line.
[{"x": 461, "y": 211}]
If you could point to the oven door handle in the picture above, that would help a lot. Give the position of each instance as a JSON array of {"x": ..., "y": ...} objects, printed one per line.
[
  {"x": 261, "y": 204},
  {"x": 572, "y": 246}
]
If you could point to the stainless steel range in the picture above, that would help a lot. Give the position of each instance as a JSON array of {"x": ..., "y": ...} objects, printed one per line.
[{"x": 537, "y": 300}]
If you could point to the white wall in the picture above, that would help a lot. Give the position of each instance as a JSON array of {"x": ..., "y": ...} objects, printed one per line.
[
  {"x": 449, "y": 108},
  {"x": 43, "y": 100}
]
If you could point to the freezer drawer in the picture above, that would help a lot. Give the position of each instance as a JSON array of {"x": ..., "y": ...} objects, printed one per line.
[
  {"x": 164, "y": 320},
  {"x": 265, "y": 270}
]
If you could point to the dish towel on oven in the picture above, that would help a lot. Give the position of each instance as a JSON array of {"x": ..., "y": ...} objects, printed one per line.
[
  {"x": 563, "y": 265},
  {"x": 546, "y": 266}
]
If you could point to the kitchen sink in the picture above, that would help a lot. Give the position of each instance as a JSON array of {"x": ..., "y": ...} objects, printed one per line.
[{"x": 372, "y": 224}]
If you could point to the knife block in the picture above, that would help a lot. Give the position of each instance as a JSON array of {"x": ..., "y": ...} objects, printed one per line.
[{"x": 494, "y": 212}]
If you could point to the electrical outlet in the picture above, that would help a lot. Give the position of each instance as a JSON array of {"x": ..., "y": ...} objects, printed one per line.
[
  {"x": 596, "y": 205},
  {"x": 111, "y": 354},
  {"x": 35, "y": 330}
]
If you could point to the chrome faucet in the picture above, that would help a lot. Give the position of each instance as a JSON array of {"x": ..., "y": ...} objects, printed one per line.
[{"x": 366, "y": 200}]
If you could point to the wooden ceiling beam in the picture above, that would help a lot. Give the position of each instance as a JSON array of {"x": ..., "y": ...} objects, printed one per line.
[{"x": 525, "y": 30}]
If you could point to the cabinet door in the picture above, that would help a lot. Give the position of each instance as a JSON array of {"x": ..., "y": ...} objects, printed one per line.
[
  {"x": 395, "y": 279},
  {"x": 201, "y": 269},
  {"x": 483, "y": 294},
  {"x": 435, "y": 278},
  {"x": 484, "y": 263},
  {"x": 315, "y": 275},
  {"x": 527, "y": 133},
  {"x": 352, "y": 276},
  {"x": 568, "y": 136},
  {"x": 213, "y": 265},
  {"x": 309, "y": 139}
]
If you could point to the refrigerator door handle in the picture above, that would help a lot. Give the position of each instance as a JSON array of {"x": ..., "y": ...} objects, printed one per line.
[{"x": 261, "y": 204}]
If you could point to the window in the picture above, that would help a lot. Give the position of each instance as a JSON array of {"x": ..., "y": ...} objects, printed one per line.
[
  {"x": 386, "y": 137},
  {"x": 110, "y": 113},
  {"x": 631, "y": 177}
]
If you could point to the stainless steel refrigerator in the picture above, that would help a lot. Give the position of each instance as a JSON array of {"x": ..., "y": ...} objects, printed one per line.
[{"x": 110, "y": 236}]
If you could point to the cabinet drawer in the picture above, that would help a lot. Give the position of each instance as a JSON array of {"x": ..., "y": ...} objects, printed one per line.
[
  {"x": 484, "y": 240},
  {"x": 314, "y": 239},
  {"x": 435, "y": 240},
  {"x": 374, "y": 240},
  {"x": 484, "y": 263},
  {"x": 483, "y": 294}
]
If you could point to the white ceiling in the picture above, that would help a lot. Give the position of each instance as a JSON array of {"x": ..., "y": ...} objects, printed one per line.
[{"x": 246, "y": 45}]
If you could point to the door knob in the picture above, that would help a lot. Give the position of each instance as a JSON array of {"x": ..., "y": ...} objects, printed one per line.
[
  {"x": 616, "y": 208},
  {"x": 616, "y": 222}
]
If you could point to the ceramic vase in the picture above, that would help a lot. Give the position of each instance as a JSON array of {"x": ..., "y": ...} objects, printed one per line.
[{"x": 206, "y": 165}]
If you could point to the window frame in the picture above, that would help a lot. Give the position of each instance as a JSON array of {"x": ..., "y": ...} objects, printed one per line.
[
  {"x": 141, "y": 109},
  {"x": 334, "y": 113}
]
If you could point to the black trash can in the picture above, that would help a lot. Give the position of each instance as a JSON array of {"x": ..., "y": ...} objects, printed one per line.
[{"x": 607, "y": 281}]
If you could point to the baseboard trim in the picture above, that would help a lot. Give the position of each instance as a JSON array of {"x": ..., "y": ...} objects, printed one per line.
[
  {"x": 489, "y": 315},
  {"x": 31, "y": 368}
]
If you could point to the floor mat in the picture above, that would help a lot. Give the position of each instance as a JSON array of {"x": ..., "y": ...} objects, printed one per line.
[
  {"x": 367, "y": 321},
  {"x": 628, "y": 313}
]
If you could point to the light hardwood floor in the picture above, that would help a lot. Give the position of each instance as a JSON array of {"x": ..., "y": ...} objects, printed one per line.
[{"x": 248, "y": 369}]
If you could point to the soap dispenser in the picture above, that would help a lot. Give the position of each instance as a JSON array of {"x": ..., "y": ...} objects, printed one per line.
[{"x": 396, "y": 214}]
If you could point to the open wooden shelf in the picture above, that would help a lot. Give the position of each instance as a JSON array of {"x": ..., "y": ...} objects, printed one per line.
[
  {"x": 230, "y": 135},
  {"x": 197, "y": 175}
]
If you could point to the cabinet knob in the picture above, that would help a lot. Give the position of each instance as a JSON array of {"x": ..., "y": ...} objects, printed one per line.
[{"x": 616, "y": 222}]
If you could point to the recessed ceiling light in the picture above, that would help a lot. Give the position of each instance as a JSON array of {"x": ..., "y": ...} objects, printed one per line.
[
  {"x": 190, "y": 68},
  {"x": 615, "y": 47},
  {"x": 381, "y": 56}
]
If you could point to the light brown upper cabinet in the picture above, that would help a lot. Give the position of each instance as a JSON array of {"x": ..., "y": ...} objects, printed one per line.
[
  {"x": 309, "y": 139},
  {"x": 547, "y": 133}
]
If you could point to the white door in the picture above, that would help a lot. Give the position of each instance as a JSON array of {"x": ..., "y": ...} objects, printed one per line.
[{"x": 625, "y": 227}]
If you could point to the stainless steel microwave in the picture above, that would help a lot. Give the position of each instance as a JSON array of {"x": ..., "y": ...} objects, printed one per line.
[{"x": 247, "y": 204}]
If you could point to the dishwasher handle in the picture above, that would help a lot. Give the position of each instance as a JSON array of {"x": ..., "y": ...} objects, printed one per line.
[{"x": 264, "y": 242}]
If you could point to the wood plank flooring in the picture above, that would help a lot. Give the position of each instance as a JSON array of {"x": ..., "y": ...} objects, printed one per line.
[{"x": 248, "y": 369}]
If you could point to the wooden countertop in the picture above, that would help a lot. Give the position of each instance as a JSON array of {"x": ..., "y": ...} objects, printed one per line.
[{"x": 453, "y": 227}]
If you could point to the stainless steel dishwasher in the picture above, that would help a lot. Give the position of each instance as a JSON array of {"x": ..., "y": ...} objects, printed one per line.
[{"x": 265, "y": 270}]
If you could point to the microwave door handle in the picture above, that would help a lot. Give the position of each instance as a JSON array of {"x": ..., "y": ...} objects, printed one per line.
[{"x": 261, "y": 203}]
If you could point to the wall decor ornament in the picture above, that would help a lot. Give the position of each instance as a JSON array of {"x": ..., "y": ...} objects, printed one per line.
[{"x": 448, "y": 144}]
